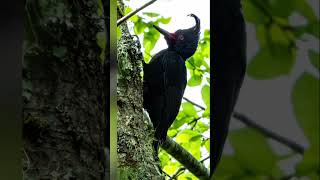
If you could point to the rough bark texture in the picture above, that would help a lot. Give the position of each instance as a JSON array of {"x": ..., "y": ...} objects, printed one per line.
[
  {"x": 63, "y": 91},
  {"x": 135, "y": 135}
]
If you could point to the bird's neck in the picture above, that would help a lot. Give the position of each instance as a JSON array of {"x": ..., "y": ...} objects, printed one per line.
[{"x": 179, "y": 53}]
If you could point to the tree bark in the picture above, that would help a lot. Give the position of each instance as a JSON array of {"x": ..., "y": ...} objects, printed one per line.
[
  {"x": 64, "y": 96},
  {"x": 135, "y": 135}
]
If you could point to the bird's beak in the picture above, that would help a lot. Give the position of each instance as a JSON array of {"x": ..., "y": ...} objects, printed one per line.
[{"x": 165, "y": 33}]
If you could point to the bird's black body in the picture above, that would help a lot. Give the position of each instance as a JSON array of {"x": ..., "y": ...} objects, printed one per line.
[
  {"x": 229, "y": 64},
  {"x": 165, "y": 78}
]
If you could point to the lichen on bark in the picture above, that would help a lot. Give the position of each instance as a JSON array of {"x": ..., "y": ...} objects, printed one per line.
[{"x": 135, "y": 135}]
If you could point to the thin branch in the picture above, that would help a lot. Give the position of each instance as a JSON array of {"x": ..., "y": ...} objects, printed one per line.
[
  {"x": 204, "y": 159},
  {"x": 119, "y": 11},
  {"x": 178, "y": 173},
  {"x": 182, "y": 169},
  {"x": 250, "y": 123},
  {"x": 130, "y": 14},
  {"x": 199, "y": 106},
  {"x": 194, "y": 125},
  {"x": 166, "y": 174},
  {"x": 185, "y": 158},
  {"x": 260, "y": 6},
  {"x": 194, "y": 120}
]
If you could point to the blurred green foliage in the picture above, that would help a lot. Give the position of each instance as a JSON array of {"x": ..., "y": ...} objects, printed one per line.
[{"x": 277, "y": 38}]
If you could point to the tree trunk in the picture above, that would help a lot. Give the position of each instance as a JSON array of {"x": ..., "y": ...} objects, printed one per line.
[
  {"x": 135, "y": 133},
  {"x": 63, "y": 90}
]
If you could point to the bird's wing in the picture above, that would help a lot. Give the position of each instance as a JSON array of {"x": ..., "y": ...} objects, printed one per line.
[{"x": 174, "y": 83}]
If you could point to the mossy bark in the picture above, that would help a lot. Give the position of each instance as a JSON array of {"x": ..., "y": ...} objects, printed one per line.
[
  {"x": 63, "y": 91},
  {"x": 135, "y": 135}
]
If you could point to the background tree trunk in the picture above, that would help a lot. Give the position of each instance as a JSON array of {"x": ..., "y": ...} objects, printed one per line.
[
  {"x": 135, "y": 135},
  {"x": 63, "y": 90}
]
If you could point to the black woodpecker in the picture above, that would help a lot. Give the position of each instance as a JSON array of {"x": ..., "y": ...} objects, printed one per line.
[
  {"x": 165, "y": 78},
  {"x": 229, "y": 64}
]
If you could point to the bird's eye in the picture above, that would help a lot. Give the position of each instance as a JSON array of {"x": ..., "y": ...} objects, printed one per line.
[{"x": 181, "y": 37}]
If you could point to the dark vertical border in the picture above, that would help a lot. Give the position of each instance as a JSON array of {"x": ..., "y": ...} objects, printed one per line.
[
  {"x": 11, "y": 40},
  {"x": 212, "y": 77},
  {"x": 229, "y": 64}
]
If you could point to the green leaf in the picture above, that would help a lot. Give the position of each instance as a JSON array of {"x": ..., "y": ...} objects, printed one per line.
[
  {"x": 185, "y": 135},
  {"x": 305, "y": 101},
  {"x": 281, "y": 8},
  {"x": 207, "y": 35},
  {"x": 181, "y": 119},
  {"x": 190, "y": 140},
  {"x": 171, "y": 168},
  {"x": 270, "y": 63},
  {"x": 207, "y": 145},
  {"x": 139, "y": 26},
  {"x": 196, "y": 138},
  {"x": 276, "y": 172},
  {"x": 164, "y": 158},
  {"x": 310, "y": 162},
  {"x": 195, "y": 80},
  {"x": 189, "y": 64},
  {"x": 205, "y": 92},
  {"x": 314, "y": 28},
  {"x": 198, "y": 59},
  {"x": 304, "y": 8},
  {"x": 279, "y": 36},
  {"x": 127, "y": 10},
  {"x": 206, "y": 113},
  {"x": 193, "y": 147},
  {"x": 172, "y": 132},
  {"x": 164, "y": 20},
  {"x": 134, "y": 18},
  {"x": 150, "y": 39},
  {"x": 255, "y": 154},
  {"x": 189, "y": 109},
  {"x": 314, "y": 59},
  {"x": 262, "y": 35},
  {"x": 229, "y": 168},
  {"x": 254, "y": 14},
  {"x": 201, "y": 127},
  {"x": 151, "y": 14}
]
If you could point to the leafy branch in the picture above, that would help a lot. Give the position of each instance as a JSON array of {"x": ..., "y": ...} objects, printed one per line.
[
  {"x": 124, "y": 18},
  {"x": 195, "y": 104},
  {"x": 266, "y": 132}
]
